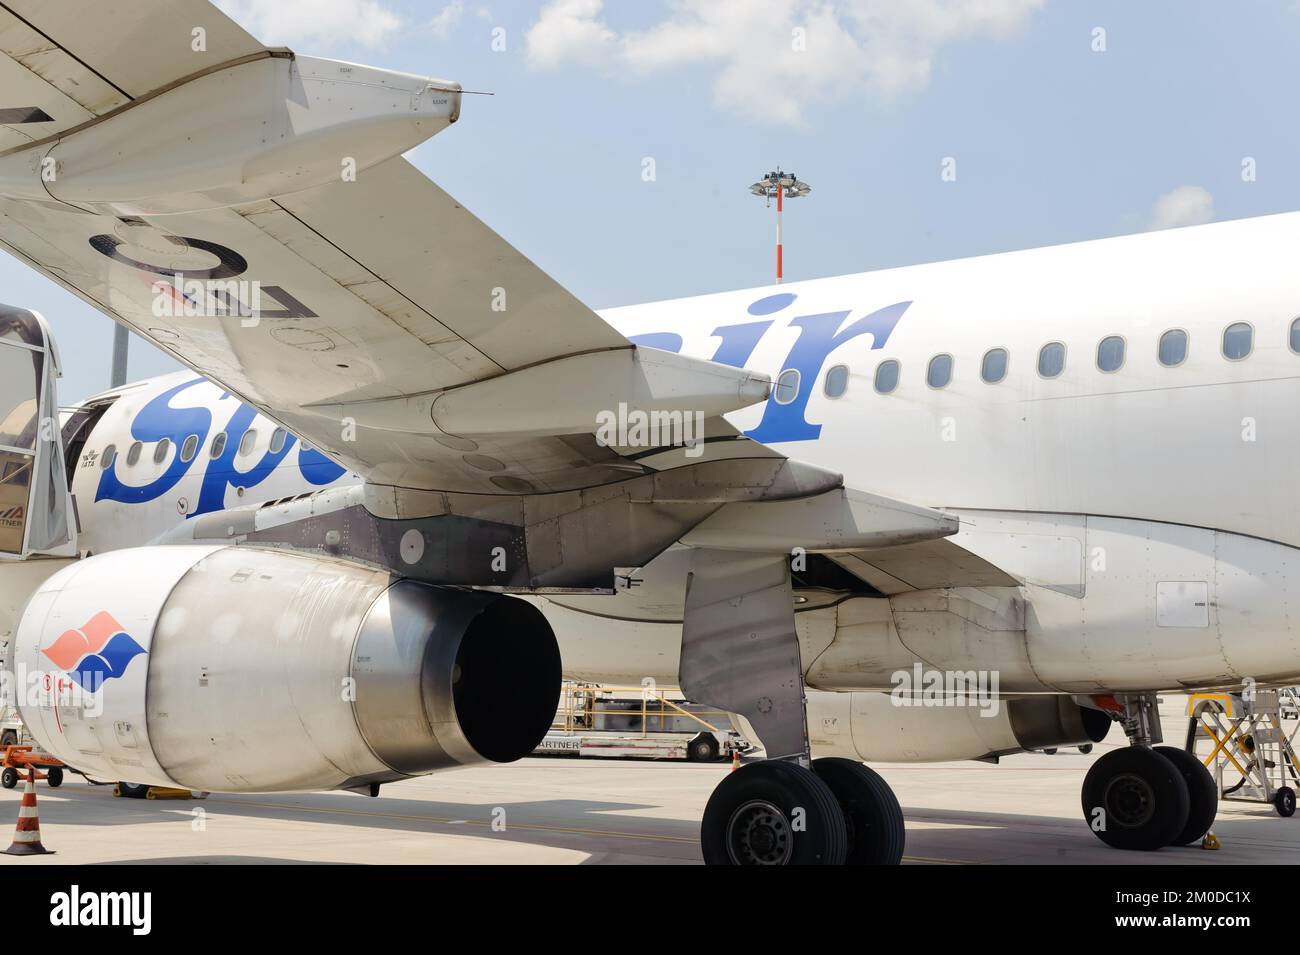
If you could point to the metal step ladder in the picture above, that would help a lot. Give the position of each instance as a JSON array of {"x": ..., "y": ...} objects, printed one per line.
[{"x": 1250, "y": 739}]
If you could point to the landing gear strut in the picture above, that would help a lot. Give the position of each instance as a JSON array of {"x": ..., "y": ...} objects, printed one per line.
[
  {"x": 1147, "y": 796},
  {"x": 740, "y": 653}
]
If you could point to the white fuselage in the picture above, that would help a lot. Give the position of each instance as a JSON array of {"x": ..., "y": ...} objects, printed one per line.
[{"x": 1147, "y": 508}]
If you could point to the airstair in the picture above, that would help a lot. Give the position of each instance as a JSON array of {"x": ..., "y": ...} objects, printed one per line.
[{"x": 1250, "y": 741}]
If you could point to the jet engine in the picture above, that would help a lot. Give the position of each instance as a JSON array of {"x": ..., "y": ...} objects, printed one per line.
[
  {"x": 874, "y": 727},
  {"x": 240, "y": 669}
]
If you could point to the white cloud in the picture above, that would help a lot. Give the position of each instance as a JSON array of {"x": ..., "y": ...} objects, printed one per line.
[
  {"x": 447, "y": 18},
  {"x": 320, "y": 23},
  {"x": 1186, "y": 205},
  {"x": 569, "y": 30},
  {"x": 850, "y": 47}
]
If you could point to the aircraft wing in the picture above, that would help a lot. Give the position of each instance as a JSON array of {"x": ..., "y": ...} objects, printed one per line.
[
  {"x": 66, "y": 62},
  {"x": 249, "y": 211},
  {"x": 365, "y": 308}
]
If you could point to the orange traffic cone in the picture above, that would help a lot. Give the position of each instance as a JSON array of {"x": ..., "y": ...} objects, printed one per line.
[
  {"x": 735, "y": 760},
  {"x": 27, "y": 836}
]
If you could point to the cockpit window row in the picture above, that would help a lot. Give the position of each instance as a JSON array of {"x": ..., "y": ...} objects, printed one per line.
[{"x": 1237, "y": 344}]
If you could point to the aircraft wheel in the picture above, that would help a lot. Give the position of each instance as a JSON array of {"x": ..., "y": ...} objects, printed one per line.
[
  {"x": 133, "y": 790},
  {"x": 1135, "y": 798},
  {"x": 703, "y": 749},
  {"x": 872, "y": 816},
  {"x": 773, "y": 813},
  {"x": 1202, "y": 793},
  {"x": 1284, "y": 802}
]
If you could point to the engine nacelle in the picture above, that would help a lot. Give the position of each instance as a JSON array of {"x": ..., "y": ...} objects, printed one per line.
[
  {"x": 873, "y": 727},
  {"x": 238, "y": 669}
]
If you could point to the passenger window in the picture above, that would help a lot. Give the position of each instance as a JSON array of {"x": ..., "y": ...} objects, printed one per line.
[
  {"x": 886, "y": 376},
  {"x": 1173, "y": 347},
  {"x": 1238, "y": 340},
  {"x": 133, "y": 453},
  {"x": 106, "y": 461},
  {"x": 189, "y": 448},
  {"x": 837, "y": 381},
  {"x": 1051, "y": 359},
  {"x": 1110, "y": 353},
  {"x": 940, "y": 371},
  {"x": 277, "y": 439},
  {"x": 160, "y": 452},
  {"x": 247, "y": 441},
  {"x": 994, "y": 366},
  {"x": 1295, "y": 336},
  {"x": 218, "y": 445},
  {"x": 786, "y": 388}
]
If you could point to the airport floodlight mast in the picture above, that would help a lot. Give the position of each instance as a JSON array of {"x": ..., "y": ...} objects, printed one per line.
[{"x": 782, "y": 186}]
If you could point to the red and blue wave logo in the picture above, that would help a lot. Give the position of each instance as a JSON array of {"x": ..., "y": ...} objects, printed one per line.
[{"x": 99, "y": 650}]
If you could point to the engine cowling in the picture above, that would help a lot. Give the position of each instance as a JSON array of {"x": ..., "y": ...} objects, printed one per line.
[
  {"x": 239, "y": 669},
  {"x": 873, "y": 727}
]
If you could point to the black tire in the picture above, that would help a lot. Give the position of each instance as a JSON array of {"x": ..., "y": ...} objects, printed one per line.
[
  {"x": 1143, "y": 799},
  {"x": 1202, "y": 793},
  {"x": 9, "y": 777},
  {"x": 753, "y": 818},
  {"x": 54, "y": 777},
  {"x": 703, "y": 749},
  {"x": 1284, "y": 802},
  {"x": 8, "y": 738},
  {"x": 872, "y": 817},
  {"x": 133, "y": 790}
]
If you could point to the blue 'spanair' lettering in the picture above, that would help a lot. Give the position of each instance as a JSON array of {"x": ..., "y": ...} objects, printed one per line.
[
  {"x": 158, "y": 420},
  {"x": 819, "y": 335},
  {"x": 221, "y": 474}
]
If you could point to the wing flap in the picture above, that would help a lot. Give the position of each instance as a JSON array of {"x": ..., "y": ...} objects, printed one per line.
[{"x": 923, "y": 565}]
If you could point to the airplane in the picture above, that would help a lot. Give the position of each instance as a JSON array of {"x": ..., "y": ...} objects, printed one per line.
[{"x": 949, "y": 511}]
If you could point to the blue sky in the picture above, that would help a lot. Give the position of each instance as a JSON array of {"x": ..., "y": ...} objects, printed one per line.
[{"x": 1053, "y": 141}]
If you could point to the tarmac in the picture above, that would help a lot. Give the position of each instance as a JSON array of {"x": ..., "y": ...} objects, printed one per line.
[{"x": 563, "y": 810}]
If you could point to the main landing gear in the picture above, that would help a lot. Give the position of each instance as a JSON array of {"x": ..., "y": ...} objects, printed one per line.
[
  {"x": 740, "y": 653},
  {"x": 1148, "y": 797},
  {"x": 776, "y": 812}
]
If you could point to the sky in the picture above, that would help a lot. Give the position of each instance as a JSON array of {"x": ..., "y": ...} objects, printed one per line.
[{"x": 621, "y": 137}]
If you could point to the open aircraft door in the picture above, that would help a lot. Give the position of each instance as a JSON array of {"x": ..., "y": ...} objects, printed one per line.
[{"x": 36, "y": 509}]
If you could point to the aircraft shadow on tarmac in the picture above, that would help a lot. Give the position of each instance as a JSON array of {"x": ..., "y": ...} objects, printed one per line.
[
  {"x": 585, "y": 825},
  {"x": 600, "y": 828}
]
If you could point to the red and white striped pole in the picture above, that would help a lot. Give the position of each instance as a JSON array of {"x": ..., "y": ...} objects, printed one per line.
[
  {"x": 782, "y": 185},
  {"x": 780, "y": 207}
]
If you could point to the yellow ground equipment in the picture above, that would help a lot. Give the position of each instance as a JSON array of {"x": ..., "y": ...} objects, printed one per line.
[
  {"x": 637, "y": 722},
  {"x": 1249, "y": 740}
]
